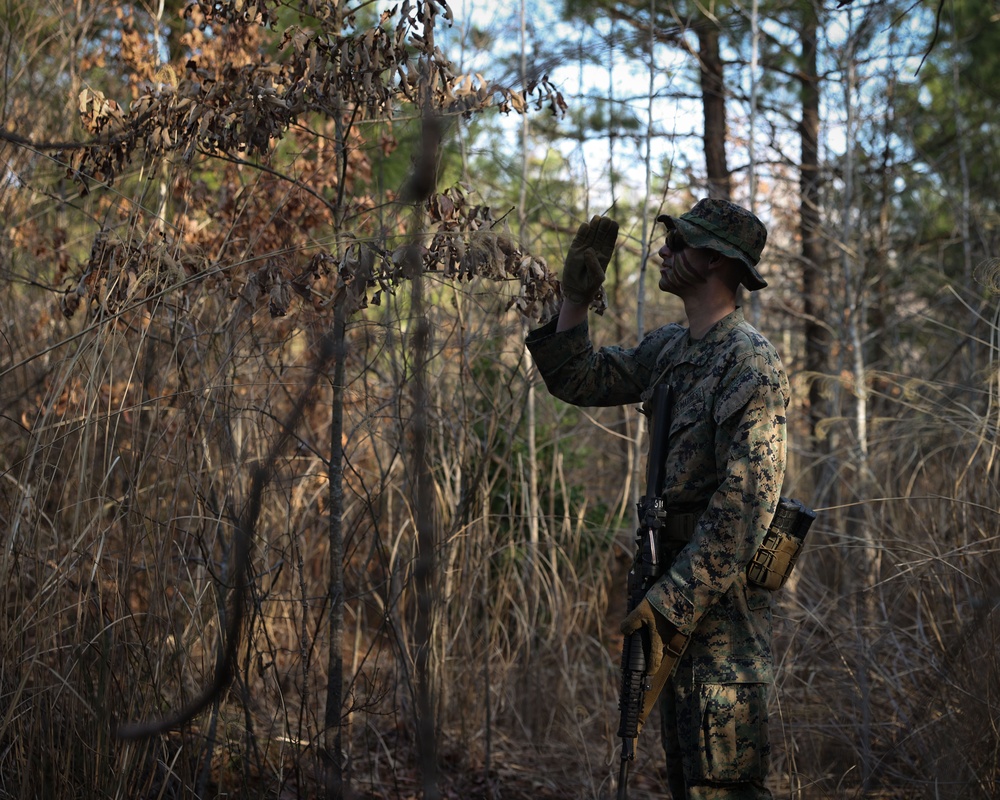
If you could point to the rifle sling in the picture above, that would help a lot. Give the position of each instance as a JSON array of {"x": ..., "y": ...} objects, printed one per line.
[
  {"x": 672, "y": 536},
  {"x": 671, "y": 655}
]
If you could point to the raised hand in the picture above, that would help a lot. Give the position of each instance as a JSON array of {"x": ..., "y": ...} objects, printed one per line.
[{"x": 588, "y": 258}]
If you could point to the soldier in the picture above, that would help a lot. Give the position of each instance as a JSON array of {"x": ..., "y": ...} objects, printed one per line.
[{"x": 723, "y": 475}]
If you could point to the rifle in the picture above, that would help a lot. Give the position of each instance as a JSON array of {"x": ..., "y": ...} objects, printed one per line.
[{"x": 645, "y": 570}]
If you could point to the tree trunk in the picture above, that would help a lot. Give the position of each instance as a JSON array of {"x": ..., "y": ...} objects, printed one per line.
[
  {"x": 815, "y": 308},
  {"x": 531, "y": 575},
  {"x": 332, "y": 752},
  {"x": 424, "y": 571},
  {"x": 713, "y": 98}
]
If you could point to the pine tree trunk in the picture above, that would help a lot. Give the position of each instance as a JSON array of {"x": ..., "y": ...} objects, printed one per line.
[
  {"x": 713, "y": 98},
  {"x": 817, "y": 335}
]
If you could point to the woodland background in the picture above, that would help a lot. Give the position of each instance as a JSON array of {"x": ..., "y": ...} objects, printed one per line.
[{"x": 267, "y": 269}]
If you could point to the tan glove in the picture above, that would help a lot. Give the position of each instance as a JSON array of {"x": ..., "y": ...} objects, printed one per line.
[
  {"x": 588, "y": 258},
  {"x": 661, "y": 636}
]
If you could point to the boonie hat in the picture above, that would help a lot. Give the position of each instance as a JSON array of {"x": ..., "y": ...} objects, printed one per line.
[{"x": 727, "y": 228}]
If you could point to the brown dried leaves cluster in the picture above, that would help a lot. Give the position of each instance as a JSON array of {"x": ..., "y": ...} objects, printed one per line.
[
  {"x": 229, "y": 100},
  {"x": 121, "y": 274},
  {"x": 465, "y": 242},
  {"x": 243, "y": 108},
  {"x": 470, "y": 242}
]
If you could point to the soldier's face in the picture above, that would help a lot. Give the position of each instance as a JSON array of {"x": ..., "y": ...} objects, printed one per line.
[{"x": 682, "y": 266}]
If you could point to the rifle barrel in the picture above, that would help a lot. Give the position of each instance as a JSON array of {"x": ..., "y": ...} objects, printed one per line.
[{"x": 623, "y": 780}]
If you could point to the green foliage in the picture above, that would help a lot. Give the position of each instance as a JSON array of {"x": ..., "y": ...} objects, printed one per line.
[
  {"x": 508, "y": 499},
  {"x": 945, "y": 122}
]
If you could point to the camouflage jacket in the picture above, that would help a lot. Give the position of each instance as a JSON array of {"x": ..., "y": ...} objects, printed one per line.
[{"x": 726, "y": 461}]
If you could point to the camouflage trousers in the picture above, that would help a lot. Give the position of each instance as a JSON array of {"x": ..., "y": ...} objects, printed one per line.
[{"x": 715, "y": 738}]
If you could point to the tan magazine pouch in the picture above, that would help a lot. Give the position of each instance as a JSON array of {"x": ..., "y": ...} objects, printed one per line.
[{"x": 773, "y": 562}]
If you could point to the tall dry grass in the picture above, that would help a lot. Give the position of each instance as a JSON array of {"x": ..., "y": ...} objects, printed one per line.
[
  {"x": 126, "y": 462},
  {"x": 128, "y": 445},
  {"x": 129, "y": 448},
  {"x": 889, "y": 638}
]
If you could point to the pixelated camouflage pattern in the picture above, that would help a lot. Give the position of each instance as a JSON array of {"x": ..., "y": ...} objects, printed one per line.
[
  {"x": 715, "y": 737},
  {"x": 726, "y": 460}
]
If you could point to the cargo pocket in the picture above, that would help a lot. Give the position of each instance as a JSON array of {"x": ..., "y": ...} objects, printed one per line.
[{"x": 734, "y": 737}]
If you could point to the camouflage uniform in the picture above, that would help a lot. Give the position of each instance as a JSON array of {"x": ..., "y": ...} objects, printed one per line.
[{"x": 725, "y": 465}]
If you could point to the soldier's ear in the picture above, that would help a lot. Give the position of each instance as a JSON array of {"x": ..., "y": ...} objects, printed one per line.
[
  {"x": 716, "y": 259},
  {"x": 728, "y": 268}
]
